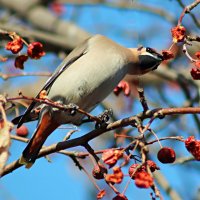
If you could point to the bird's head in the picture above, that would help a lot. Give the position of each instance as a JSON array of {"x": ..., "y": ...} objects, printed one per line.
[{"x": 148, "y": 59}]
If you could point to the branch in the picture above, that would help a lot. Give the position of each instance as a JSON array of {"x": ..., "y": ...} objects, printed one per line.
[
  {"x": 187, "y": 9},
  {"x": 81, "y": 141},
  {"x": 52, "y": 41},
  {"x": 68, "y": 108},
  {"x": 41, "y": 17},
  {"x": 7, "y": 76},
  {"x": 179, "y": 138}
]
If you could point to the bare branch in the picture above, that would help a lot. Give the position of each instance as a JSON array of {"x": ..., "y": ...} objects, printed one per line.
[
  {"x": 42, "y": 18},
  {"x": 7, "y": 76},
  {"x": 81, "y": 141},
  {"x": 187, "y": 9}
]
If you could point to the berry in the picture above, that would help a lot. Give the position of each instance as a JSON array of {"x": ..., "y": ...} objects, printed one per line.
[
  {"x": 195, "y": 73},
  {"x": 197, "y": 54},
  {"x": 178, "y": 33},
  {"x": 166, "y": 155},
  {"x": 152, "y": 165},
  {"x": 35, "y": 50},
  {"x": 98, "y": 171},
  {"x": 22, "y": 131},
  {"x": 143, "y": 180},
  {"x": 167, "y": 54},
  {"x": 110, "y": 157},
  {"x": 120, "y": 197},
  {"x": 15, "y": 46},
  {"x": 193, "y": 146},
  {"x": 116, "y": 177},
  {"x": 19, "y": 61},
  {"x": 132, "y": 170}
]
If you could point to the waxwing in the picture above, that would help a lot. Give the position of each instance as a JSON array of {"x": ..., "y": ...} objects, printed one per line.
[{"x": 85, "y": 77}]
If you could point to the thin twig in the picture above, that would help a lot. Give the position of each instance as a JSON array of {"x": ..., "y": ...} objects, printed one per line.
[
  {"x": 81, "y": 141},
  {"x": 186, "y": 10},
  {"x": 7, "y": 76}
]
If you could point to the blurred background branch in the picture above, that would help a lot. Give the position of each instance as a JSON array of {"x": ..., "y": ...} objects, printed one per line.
[{"x": 61, "y": 25}]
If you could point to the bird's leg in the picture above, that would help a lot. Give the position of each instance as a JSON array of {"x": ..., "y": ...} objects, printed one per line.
[
  {"x": 72, "y": 108},
  {"x": 142, "y": 98},
  {"x": 100, "y": 119},
  {"x": 104, "y": 117}
]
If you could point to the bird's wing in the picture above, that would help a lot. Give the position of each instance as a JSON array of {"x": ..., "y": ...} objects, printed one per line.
[{"x": 69, "y": 60}]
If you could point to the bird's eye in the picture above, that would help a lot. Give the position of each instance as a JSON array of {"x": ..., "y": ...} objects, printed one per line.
[{"x": 150, "y": 50}]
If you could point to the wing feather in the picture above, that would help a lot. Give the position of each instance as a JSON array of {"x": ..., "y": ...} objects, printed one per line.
[{"x": 67, "y": 62}]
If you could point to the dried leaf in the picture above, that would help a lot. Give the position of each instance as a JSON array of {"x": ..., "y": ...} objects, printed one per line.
[{"x": 5, "y": 127}]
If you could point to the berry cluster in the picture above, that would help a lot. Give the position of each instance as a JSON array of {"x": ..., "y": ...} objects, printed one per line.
[{"x": 34, "y": 50}]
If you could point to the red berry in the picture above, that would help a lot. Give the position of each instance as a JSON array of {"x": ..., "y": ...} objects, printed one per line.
[
  {"x": 111, "y": 156},
  {"x": 197, "y": 54},
  {"x": 116, "y": 177},
  {"x": 195, "y": 71},
  {"x": 16, "y": 45},
  {"x": 152, "y": 165},
  {"x": 197, "y": 64},
  {"x": 19, "y": 61},
  {"x": 178, "y": 33},
  {"x": 193, "y": 146},
  {"x": 120, "y": 197},
  {"x": 98, "y": 171},
  {"x": 190, "y": 143},
  {"x": 166, "y": 155},
  {"x": 143, "y": 180},
  {"x": 167, "y": 54},
  {"x": 35, "y": 50},
  {"x": 22, "y": 131},
  {"x": 132, "y": 170}
]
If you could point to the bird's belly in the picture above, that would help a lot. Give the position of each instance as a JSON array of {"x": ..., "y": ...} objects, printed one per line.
[
  {"x": 86, "y": 88},
  {"x": 85, "y": 96}
]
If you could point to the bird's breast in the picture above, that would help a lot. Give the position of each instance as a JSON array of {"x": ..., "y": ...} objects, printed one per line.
[{"x": 89, "y": 80}]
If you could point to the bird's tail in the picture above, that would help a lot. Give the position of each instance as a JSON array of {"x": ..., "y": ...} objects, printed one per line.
[
  {"x": 30, "y": 117},
  {"x": 45, "y": 127}
]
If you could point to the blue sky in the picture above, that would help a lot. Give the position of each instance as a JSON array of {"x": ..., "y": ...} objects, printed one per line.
[{"x": 60, "y": 179}]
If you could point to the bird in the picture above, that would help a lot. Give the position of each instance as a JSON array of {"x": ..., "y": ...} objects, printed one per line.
[{"x": 85, "y": 77}]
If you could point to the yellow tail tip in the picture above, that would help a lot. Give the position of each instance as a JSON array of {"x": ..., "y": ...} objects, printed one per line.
[{"x": 23, "y": 161}]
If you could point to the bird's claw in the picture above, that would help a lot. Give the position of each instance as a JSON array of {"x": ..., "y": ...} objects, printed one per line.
[
  {"x": 72, "y": 108},
  {"x": 104, "y": 117}
]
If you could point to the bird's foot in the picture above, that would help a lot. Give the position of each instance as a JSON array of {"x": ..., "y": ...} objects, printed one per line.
[
  {"x": 72, "y": 108},
  {"x": 104, "y": 118}
]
